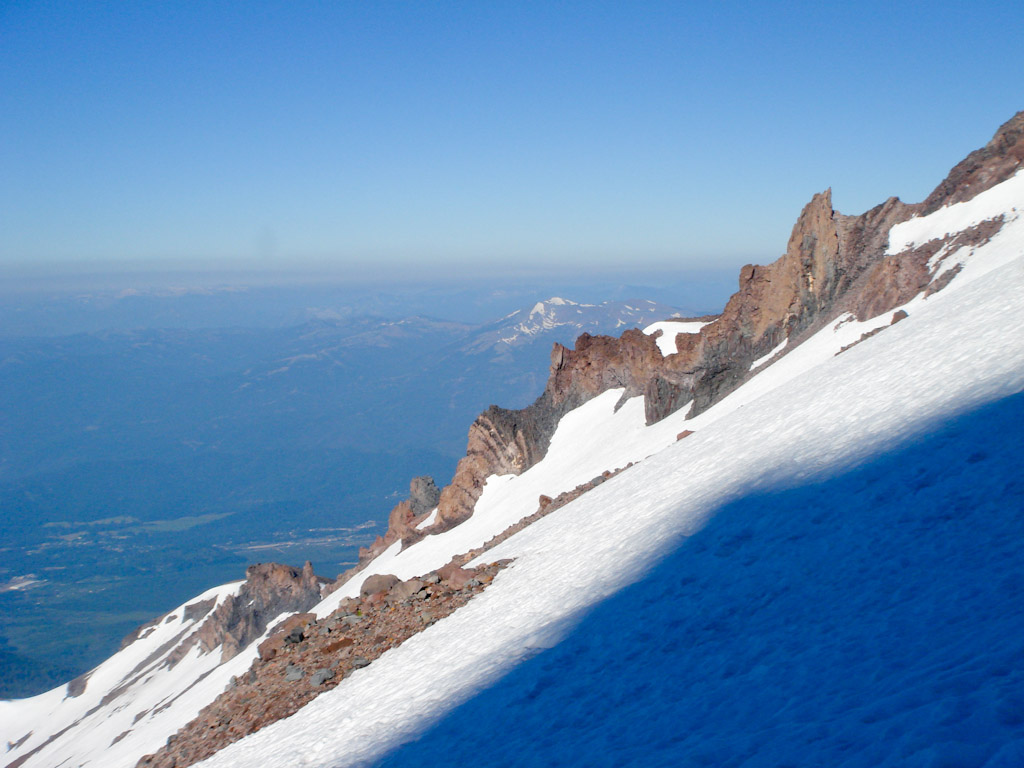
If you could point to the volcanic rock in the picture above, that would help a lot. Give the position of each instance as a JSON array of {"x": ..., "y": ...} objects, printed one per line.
[{"x": 379, "y": 582}]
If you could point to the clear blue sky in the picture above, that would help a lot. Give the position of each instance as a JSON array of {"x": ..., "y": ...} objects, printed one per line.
[{"x": 419, "y": 132}]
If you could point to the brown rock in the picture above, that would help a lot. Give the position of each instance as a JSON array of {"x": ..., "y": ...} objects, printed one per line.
[
  {"x": 377, "y": 584},
  {"x": 405, "y": 589},
  {"x": 270, "y": 590},
  {"x": 982, "y": 169},
  {"x": 833, "y": 264},
  {"x": 455, "y": 576},
  {"x": 684, "y": 433},
  {"x": 272, "y": 646},
  {"x": 338, "y": 645}
]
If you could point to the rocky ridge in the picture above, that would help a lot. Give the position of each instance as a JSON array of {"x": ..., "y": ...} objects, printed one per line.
[
  {"x": 834, "y": 263},
  {"x": 306, "y": 656}
]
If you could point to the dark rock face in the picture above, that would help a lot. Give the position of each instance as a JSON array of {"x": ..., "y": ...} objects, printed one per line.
[
  {"x": 833, "y": 264},
  {"x": 77, "y": 686},
  {"x": 423, "y": 495},
  {"x": 199, "y": 609}
]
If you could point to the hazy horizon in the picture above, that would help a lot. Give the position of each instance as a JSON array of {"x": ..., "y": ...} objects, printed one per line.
[{"x": 399, "y": 137}]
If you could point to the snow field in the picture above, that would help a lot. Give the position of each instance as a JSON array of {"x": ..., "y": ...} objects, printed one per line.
[
  {"x": 869, "y": 619},
  {"x": 958, "y": 350}
]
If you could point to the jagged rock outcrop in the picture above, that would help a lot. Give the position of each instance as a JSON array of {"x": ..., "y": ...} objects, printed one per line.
[
  {"x": 982, "y": 169},
  {"x": 405, "y": 516},
  {"x": 270, "y": 589},
  {"x": 833, "y": 264}
]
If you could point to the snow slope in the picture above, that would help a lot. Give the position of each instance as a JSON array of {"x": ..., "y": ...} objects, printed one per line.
[
  {"x": 810, "y": 418},
  {"x": 807, "y": 416},
  {"x": 131, "y": 702}
]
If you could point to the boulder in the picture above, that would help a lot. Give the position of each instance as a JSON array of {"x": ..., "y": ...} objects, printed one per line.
[
  {"x": 456, "y": 577},
  {"x": 321, "y": 676},
  {"x": 405, "y": 589},
  {"x": 379, "y": 582}
]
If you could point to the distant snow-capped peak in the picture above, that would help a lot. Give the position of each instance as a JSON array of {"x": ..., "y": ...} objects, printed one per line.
[{"x": 569, "y": 318}]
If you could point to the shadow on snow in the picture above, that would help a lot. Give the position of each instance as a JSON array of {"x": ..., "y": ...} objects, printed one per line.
[{"x": 872, "y": 619}]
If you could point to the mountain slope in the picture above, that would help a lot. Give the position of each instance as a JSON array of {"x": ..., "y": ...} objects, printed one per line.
[
  {"x": 784, "y": 474},
  {"x": 952, "y": 355}
]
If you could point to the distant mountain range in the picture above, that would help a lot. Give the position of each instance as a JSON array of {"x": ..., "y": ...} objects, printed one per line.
[{"x": 558, "y": 317}]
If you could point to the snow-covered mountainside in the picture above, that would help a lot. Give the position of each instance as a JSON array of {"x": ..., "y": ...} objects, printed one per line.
[{"x": 789, "y": 536}]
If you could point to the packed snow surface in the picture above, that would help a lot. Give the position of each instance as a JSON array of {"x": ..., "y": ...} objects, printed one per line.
[
  {"x": 669, "y": 331},
  {"x": 844, "y": 608}
]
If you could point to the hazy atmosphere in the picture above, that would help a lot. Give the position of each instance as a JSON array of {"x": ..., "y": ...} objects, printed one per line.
[{"x": 358, "y": 138}]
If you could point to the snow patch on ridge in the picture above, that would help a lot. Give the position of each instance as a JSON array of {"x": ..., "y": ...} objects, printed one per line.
[
  {"x": 669, "y": 329},
  {"x": 1005, "y": 199}
]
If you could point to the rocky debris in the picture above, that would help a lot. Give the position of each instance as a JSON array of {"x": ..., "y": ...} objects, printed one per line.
[
  {"x": 270, "y": 647},
  {"x": 270, "y": 589},
  {"x": 454, "y": 576},
  {"x": 331, "y": 649},
  {"x": 321, "y": 676},
  {"x": 684, "y": 433},
  {"x": 896, "y": 317},
  {"x": 403, "y": 590}
]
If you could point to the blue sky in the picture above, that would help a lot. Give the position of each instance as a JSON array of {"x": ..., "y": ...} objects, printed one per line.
[{"x": 414, "y": 134}]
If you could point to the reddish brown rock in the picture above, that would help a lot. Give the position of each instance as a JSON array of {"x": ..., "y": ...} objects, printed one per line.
[
  {"x": 455, "y": 576},
  {"x": 378, "y": 584},
  {"x": 270, "y": 647},
  {"x": 403, "y": 519},
  {"x": 277, "y": 687},
  {"x": 833, "y": 264},
  {"x": 997, "y": 161}
]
